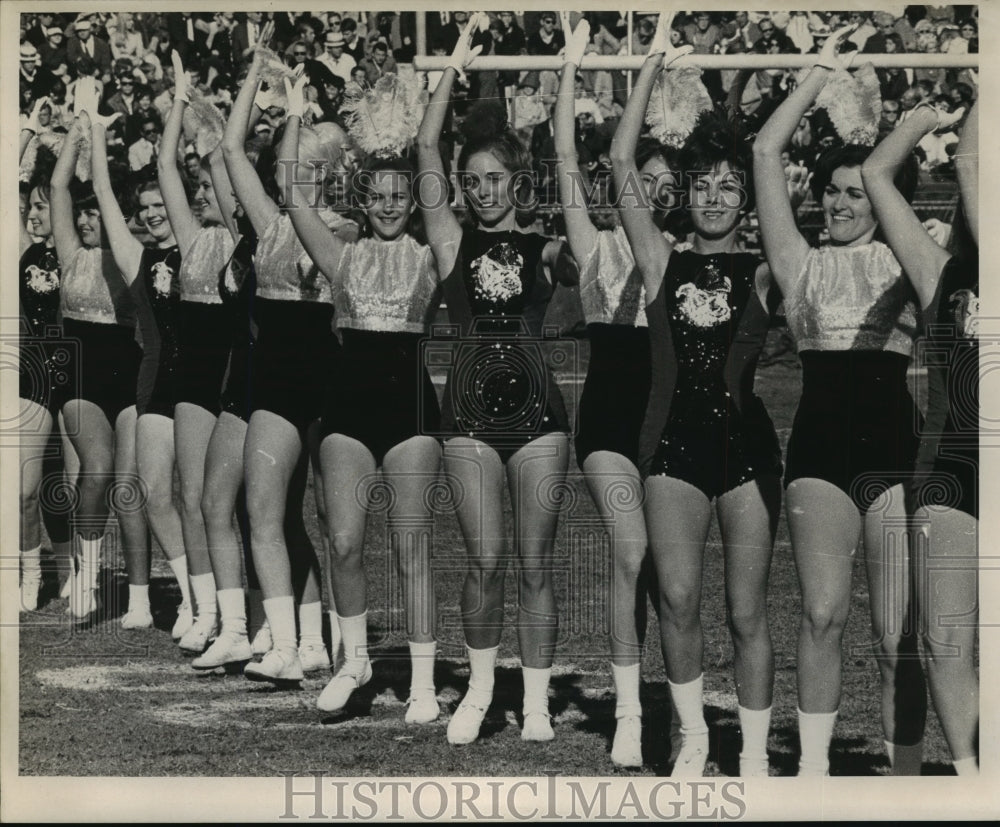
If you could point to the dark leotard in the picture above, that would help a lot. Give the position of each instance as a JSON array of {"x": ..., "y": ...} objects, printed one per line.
[
  {"x": 156, "y": 292},
  {"x": 44, "y": 353},
  {"x": 237, "y": 286}
]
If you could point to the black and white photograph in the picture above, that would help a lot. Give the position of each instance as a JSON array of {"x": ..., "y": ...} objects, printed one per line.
[{"x": 510, "y": 415}]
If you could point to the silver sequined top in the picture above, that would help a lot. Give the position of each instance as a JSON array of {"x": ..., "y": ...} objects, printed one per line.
[
  {"x": 285, "y": 272},
  {"x": 386, "y": 285},
  {"x": 611, "y": 288},
  {"x": 852, "y": 298},
  {"x": 89, "y": 293},
  {"x": 200, "y": 267}
]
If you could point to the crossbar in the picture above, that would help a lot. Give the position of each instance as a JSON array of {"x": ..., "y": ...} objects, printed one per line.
[{"x": 536, "y": 63}]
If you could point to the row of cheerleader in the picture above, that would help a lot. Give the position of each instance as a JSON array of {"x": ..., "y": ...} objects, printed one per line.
[{"x": 211, "y": 351}]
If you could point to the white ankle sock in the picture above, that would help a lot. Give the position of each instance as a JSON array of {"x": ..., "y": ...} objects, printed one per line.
[
  {"x": 203, "y": 587},
  {"x": 336, "y": 637},
  {"x": 536, "y": 689},
  {"x": 422, "y": 666},
  {"x": 233, "y": 610},
  {"x": 482, "y": 666},
  {"x": 31, "y": 564},
  {"x": 905, "y": 760},
  {"x": 626, "y": 690},
  {"x": 755, "y": 724},
  {"x": 815, "y": 736},
  {"x": 138, "y": 598},
  {"x": 280, "y": 613},
  {"x": 311, "y": 624},
  {"x": 179, "y": 566},
  {"x": 90, "y": 561},
  {"x": 688, "y": 705},
  {"x": 966, "y": 766},
  {"x": 355, "y": 632}
]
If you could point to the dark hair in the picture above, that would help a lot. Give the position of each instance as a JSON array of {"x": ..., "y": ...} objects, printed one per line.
[
  {"x": 965, "y": 91},
  {"x": 853, "y": 155},
  {"x": 82, "y": 193},
  {"x": 360, "y": 182},
  {"x": 348, "y": 24},
  {"x": 486, "y": 130},
  {"x": 714, "y": 139}
]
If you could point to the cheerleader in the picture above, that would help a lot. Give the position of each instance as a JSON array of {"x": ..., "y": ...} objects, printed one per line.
[
  {"x": 383, "y": 403},
  {"x": 947, "y": 504},
  {"x": 205, "y": 245},
  {"x": 712, "y": 441},
  {"x": 853, "y": 317},
  {"x": 151, "y": 275},
  {"x": 615, "y": 392},
  {"x": 100, "y": 415},
  {"x": 293, "y": 356},
  {"x": 502, "y": 415},
  {"x": 38, "y": 377}
]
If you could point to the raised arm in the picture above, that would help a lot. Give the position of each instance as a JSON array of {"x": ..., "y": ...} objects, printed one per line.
[
  {"x": 580, "y": 230},
  {"x": 182, "y": 219},
  {"x": 784, "y": 245},
  {"x": 125, "y": 247},
  {"x": 920, "y": 256},
  {"x": 323, "y": 246},
  {"x": 649, "y": 248},
  {"x": 31, "y": 127},
  {"x": 259, "y": 208},
  {"x": 443, "y": 230},
  {"x": 64, "y": 234},
  {"x": 967, "y": 167},
  {"x": 223, "y": 191}
]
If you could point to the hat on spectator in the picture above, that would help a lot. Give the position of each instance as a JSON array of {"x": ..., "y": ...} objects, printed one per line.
[
  {"x": 83, "y": 23},
  {"x": 781, "y": 19},
  {"x": 28, "y": 51},
  {"x": 820, "y": 31},
  {"x": 883, "y": 18},
  {"x": 53, "y": 30},
  {"x": 334, "y": 39},
  {"x": 529, "y": 81},
  {"x": 924, "y": 25}
]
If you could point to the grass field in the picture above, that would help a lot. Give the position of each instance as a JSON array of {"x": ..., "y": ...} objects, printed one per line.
[{"x": 111, "y": 703}]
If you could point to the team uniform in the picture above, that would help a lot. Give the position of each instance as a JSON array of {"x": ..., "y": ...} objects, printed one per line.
[
  {"x": 99, "y": 313},
  {"x": 616, "y": 389},
  {"x": 948, "y": 459},
  {"x": 237, "y": 286},
  {"x": 296, "y": 351},
  {"x": 385, "y": 296},
  {"x": 500, "y": 390},
  {"x": 156, "y": 294},
  {"x": 707, "y": 327},
  {"x": 853, "y": 316},
  {"x": 41, "y": 373},
  {"x": 204, "y": 335}
]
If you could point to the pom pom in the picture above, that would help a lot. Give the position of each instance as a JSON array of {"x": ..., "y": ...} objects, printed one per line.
[
  {"x": 203, "y": 120},
  {"x": 384, "y": 119},
  {"x": 854, "y": 104},
  {"x": 679, "y": 97},
  {"x": 485, "y": 119},
  {"x": 273, "y": 72}
]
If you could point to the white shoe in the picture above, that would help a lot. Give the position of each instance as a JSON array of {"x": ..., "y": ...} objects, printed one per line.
[
  {"x": 463, "y": 728},
  {"x": 626, "y": 750},
  {"x": 261, "y": 643},
  {"x": 422, "y": 707},
  {"x": 201, "y": 633},
  {"x": 338, "y": 691},
  {"x": 229, "y": 647},
  {"x": 67, "y": 586},
  {"x": 137, "y": 619},
  {"x": 753, "y": 767},
  {"x": 83, "y": 601},
  {"x": 537, "y": 727},
  {"x": 313, "y": 658},
  {"x": 30, "y": 584},
  {"x": 184, "y": 620},
  {"x": 693, "y": 756},
  {"x": 277, "y": 666}
]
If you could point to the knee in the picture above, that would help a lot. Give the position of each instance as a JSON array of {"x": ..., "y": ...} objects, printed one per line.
[
  {"x": 29, "y": 502},
  {"x": 159, "y": 497},
  {"x": 345, "y": 548},
  {"x": 824, "y": 620},
  {"x": 489, "y": 570},
  {"x": 534, "y": 582},
  {"x": 746, "y": 619},
  {"x": 679, "y": 605},
  {"x": 191, "y": 501},
  {"x": 216, "y": 507}
]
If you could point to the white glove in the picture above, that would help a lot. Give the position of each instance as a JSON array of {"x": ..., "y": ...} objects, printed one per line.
[
  {"x": 36, "y": 110},
  {"x": 296, "y": 95},
  {"x": 577, "y": 39},
  {"x": 181, "y": 91},
  {"x": 661, "y": 45},
  {"x": 938, "y": 231},
  {"x": 464, "y": 54},
  {"x": 830, "y": 57}
]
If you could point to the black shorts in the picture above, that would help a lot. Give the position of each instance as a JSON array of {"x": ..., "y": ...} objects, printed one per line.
[
  {"x": 45, "y": 370},
  {"x": 856, "y": 426},
  {"x": 105, "y": 367},
  {"x": 237, "y": 396},
  {"x": 381, "y": 394},
  {"x": 204, "y": 344}
]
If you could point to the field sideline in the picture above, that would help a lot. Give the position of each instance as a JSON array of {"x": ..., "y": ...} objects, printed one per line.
[{"x": 103, "y": 702}]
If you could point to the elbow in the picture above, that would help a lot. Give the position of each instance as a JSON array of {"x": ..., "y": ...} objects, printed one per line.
[
  {"x": 619, "y": 154},
  {"x": 426, "y": 143},
  {"x": 765, "y": 149}
]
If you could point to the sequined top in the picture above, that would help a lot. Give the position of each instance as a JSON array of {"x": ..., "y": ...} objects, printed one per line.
[
  {"x": 385, "y": 285},
  {"x": 93, "y": 290},
  {"x": 200, "y": 266},
  {"x": 285, "y": 272},
  {"x": 852, "y": 298},
  {"x": 39, "y": 293},
  {"x": 611, "y": 289}
]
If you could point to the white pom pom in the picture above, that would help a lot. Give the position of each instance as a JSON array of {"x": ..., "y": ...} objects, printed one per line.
[
  {"x": 384, "y": 119},
  {"x": 854, "y": 104},
  {"x": 678, "y": 98}
]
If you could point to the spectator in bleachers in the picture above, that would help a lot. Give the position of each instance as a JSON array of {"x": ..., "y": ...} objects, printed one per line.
[
  {"x": 890, "y": 115},
  {"x": 354, "y": 45},
  {"x": 548, "y": 40},
  {"x": 189, "y": 34},
  {"x": 309, "y": 29},
  {"x": 124, "y": 38},
  {"x": 34, "y": 78},
  {"x": 742, "y": 28},
  {"x": 143, "y": 151},
  {"x": 87, "y": 44},
  {"x": 335, "y": 58},
  {"x": 244, "y": 37},
  {"x": 53, "y": 48},
  {"x": 380, "y": 63},
  {"x": 865, "y": 29},
  {"x": 508, "y": 40},
  {"x": 124, "y": 101}
]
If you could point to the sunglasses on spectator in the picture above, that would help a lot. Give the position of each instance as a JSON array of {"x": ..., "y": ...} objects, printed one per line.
[
  {"x": 300, "y": 54},
  {"x": 766, "y": 29},
  {"x": 150, "y": 131}
]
